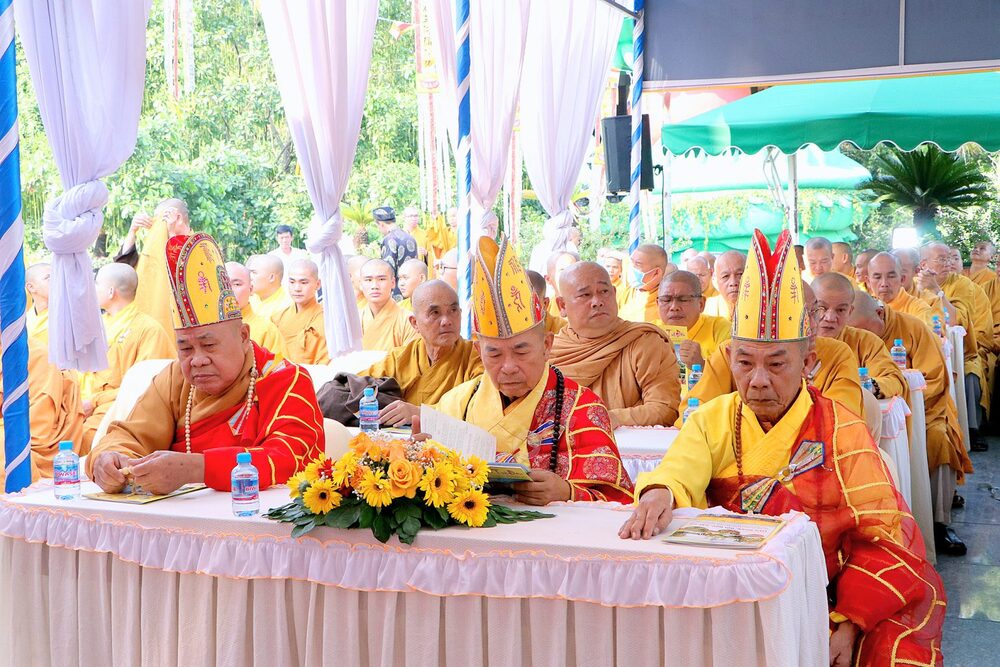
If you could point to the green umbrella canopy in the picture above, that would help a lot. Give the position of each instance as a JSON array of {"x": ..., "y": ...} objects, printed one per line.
[{"x": 947, "y": 110}]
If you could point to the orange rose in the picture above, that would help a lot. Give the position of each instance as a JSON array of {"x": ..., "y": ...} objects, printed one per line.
[
  {"x": 404, "y": 477},
  {"x": 397, "y": 452}
]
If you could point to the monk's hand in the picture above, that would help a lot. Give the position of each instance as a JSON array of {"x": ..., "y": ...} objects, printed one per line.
[
  {"x": 842, "y": 642},
  {"x": 926, "y": 279},
  {"x": 141, "y": 221},
  {"x": 690, "y": 353},
  {"x": 87, "y": 407},
  {"x": 108, "y": 471},
  {"x": 651, "y": 516},
  {"x": 545, "y": 487},
  {"x": 398, "y": 413},
  {"x": 166, "y": 471}
]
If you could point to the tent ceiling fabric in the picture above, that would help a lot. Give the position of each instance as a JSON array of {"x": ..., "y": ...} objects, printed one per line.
[{"x": 946, "y": 110}]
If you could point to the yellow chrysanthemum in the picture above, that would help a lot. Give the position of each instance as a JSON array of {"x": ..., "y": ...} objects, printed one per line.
[
  {"x": 321, "y": 497},
  {"x": 479, "y": 471},
  {"x": 295, "y": 484},
  {"x": 375, "y": 488},
  {"x": 344, "y": 469},
  {"x": 312, "y": 469},
  {"x": 438, "y": 484},
  {"x": 470, "y": 507}
]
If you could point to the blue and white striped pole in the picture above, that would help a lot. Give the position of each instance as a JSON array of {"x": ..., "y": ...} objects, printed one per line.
[
  {"x": 638, "y": 46},
  {"x": 463, "y": 165},
  {"x": 13, "y": 335}
]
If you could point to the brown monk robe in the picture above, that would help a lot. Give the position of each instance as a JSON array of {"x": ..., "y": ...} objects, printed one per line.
[{"x": 632, "y": 366}]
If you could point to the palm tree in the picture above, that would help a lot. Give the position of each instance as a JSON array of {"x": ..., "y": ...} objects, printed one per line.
[{"x": 925, "y": 181}]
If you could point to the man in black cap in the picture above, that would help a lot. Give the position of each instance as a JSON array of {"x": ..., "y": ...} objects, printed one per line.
[{"x": 397, "y": 245}]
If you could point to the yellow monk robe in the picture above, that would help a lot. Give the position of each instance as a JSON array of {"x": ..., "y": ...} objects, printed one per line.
[
  {"x": 915, "y": 306},
  {"x": 640, "y": 306},
  {"x": 621, "y": 292},
  {"x": 710, "y": 291},
  {"x": 440, "y": 238},
  {"x": 872, "y": 354},
  {"x": 874, "y": 554},
  {"x": 991, "y": 286},
  {"x": 406, "y": 304},
  {"x": 974, "y": 314},
  {"x": 387, "y": 330},
  {"x": 152, "y": 296},
  {"x": 554, "y": 323},
  {"x": 38, "y": 325},
  {"x": 264, "y": 331},
  {"x": 423, "y": 382},
  {"x": 709, "y": 332},
  {"x": 304, "y": 333},
  {"x": 133, "y": 336},
  {"x": 717, "y": 306},
  {"x": 420, "y": 236},
  {"x": 524, "y": 432},
  {"x": 632, "y": 368},
  {"x": 272, "y": 305},
  {"x": 923, "y": 353},
  {"x": 55, "y": 408},
  {"x": 836, "y": 377}
]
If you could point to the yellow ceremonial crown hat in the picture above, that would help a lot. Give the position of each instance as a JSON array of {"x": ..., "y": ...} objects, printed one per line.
[
  {"x": 503, "y": 303},
  {"x": 198, "y": 278},
  {"x": 771, "y": 304}
]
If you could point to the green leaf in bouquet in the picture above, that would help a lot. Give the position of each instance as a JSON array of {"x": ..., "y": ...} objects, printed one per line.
[
  {"x": 411, "y": 525},
  {"x": 490, "y": 521},
  {"x": 380, "y": 528},
  {"x": 433, "y": 519},
  {"x": 344, "y": 516},
  {"x": 302, "y": 529},
  {"x": 366, "y": 516}
]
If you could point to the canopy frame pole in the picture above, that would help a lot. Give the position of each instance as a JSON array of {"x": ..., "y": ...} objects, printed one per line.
[
  {"x": 793, "y": 196},
  {"x": 463, "y": 165},
  {"x": 638, "y": 46}
]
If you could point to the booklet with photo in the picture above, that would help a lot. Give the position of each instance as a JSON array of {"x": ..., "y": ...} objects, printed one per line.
[
  {"x": 131, "y": 497},
  {"x": 726, "y": 531}
]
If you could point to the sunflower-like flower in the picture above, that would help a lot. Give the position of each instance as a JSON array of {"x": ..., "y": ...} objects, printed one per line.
[
  {"x": 295, "y": 483},
  {"x": 438, "y": 484},
  {"x": 479, "y": 471},
  {"x": 470, "y": 507},
  {"x": 375, "y": 488},
  {"x": 344, "y": 469},
  {"x": 312, "y": 471},
  {"x": 321, "y": 497}
]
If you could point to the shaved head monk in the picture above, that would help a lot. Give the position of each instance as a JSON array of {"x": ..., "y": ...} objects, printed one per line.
[
  {"x": 861, "y": 265},
  {"x": 301, "y": 324},
  {"x": 818, "y": 257},
  {"x": 554, "y": 321},
  {"x": 885, "y": 282},
  {"x": 727, "y": 274},
  {"x": 223, "y": 396},
  {"x": 446, "y": 268},
  {"x": 631, "y": 365},
  {"x": 268, "y": 296},
  {"x": 412, "y": 273},
  {"x": 554, "y": 267},
  {"x": 649, "y": 265},
  {"x": 700, "y": 267},
  {"x": 843, "y": 259},
  {"x": 435, "y": 362},
  {"x": 132, "y": 336},
  {"x": 263, "y": 331},
  {"x": 36, "y": 283},
  {"x": 384, "y": 325}
]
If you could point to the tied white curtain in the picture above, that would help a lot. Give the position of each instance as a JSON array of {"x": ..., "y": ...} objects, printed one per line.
[
  {"x": 570, "y": 44},
  {"x": 497, "y": 37},
  {"x": 321, "y": 53},
  {"x": 87, "y": 60}
]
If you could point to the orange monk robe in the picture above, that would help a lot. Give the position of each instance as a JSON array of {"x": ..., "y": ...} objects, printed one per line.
[
  {"x": 632, "y": 368},
  {"x": 915, "y": 306},
  {"x": 38, "y": 325},
  {"x": 554, "y": 323},
  {"x": 304, "y": 333},
  {"x": 153, "y": 294},
  {"x": 836, "y": 376},
  {"x": 717, "y": 306},
  {"x": 272, "y": 305},
  {"x": 975, "y": 314},
  {"x": 621, "y": 292},
  {"x": 872, "y": 354},
  {"x": 55, "y": 408},
  {"x": 283, "y": 430},
  {"x": 988, "y": 280},
  {"x": 406, "y": 305},
  {"x": 923, "y": 353},
  {"x": 387, "y": 330},
  {"x": 420, "y": 236},
  {"x": 263, "y": 331},
  {"x": 587, "y": 456},
  {"x": 440, "y": 238},
  {"x": 832, "y": 471},
  {"x": 423, "y": 382},
  {"x": 710, "y": 291},
  {"x": 132, "y": 336},
  {"x": 640, "y": 306}
]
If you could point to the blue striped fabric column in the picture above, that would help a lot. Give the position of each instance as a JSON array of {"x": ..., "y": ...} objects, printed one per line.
[
  {"x": 638, "y": 46},
  {"x": 13, "y": 335},
  {"x": 463, "y": 165}
]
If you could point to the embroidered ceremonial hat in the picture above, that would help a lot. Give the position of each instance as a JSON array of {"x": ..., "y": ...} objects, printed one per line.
[
  {"x": 771, "y": 304},
  {"x": 198, "y": 278},
  {"x": 503, "y": 303}
]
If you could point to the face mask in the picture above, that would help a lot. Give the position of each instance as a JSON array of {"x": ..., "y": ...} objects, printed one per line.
[{"x": 638, "y": 278}]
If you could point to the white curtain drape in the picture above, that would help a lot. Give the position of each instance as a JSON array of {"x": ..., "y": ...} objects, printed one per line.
[
  {"x": 570, "y": 44},
  {"x": 87, "y": 60},
  {"x": 321, "y": 53},
  {"x": 497, "y": 36}
]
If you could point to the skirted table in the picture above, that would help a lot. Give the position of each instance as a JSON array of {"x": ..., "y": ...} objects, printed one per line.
[{"x": 183, "y": 582}]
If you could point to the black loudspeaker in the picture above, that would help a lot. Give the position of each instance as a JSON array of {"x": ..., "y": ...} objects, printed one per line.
[{"x": 616, "y": 133}]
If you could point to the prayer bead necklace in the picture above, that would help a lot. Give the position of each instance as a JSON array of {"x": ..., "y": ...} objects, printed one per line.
[
  {"x": 738, "y": 442},
  {"x": 557, "y": 427},
  {"x": 190, "y": 402}
]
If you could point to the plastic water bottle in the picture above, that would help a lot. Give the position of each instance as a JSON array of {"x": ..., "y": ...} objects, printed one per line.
[
  {"x": 898, "y": 353},
  {"x": 369, "y": 411},
  {"x": 866, "y": 380},
  {"x": 246, "y": 487},
  {"x": 938, "y": 329},
  {"x": 947, "y": 318},
  {"x": 66, "y": 472},
  {"x": 694, "y": 375},
  {"x": 693, "y": 404}
]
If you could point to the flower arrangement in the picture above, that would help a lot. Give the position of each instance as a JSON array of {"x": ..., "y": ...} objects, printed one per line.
[{"x": 394, "y": 487}]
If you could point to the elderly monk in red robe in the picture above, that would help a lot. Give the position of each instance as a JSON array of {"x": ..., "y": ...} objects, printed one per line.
[
  {"x": 224, "y": 395},
  {"x": 540, "y": 418},
  {"x": 776, "y": 445}
]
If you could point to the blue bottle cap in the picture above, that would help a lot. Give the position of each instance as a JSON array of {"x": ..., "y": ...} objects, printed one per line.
[
  {"x": 898, "y": 341},
  {"x": 696, "y": 367},
  {"x": 66, "y": 446},
  {"x": 693, "y": 402},
  {"x": 243, "y": 457},
  {"x": 369, "y": 392}
]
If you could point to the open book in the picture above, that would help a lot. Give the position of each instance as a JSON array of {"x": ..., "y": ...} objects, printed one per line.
[
  {"x": 470, "y": 440},
  {"x": 727, "y": 531},
  {"x": 130, "y": 497}
]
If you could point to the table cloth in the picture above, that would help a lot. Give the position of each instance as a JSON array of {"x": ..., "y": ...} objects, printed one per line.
[
  {"x": 182, "y": 581},
  {"x": 920, "y": 481}
]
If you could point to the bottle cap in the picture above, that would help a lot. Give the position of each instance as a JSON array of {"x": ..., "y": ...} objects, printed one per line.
[
  {"x": 862, "y": 370},
  {"x": 696, "y": 367},
  {"x": 243, "y": 457},
  {"x": 898, "y": 341},
  {"x": 935, "y": 318},
  {"x": 369, "y": 392},
  {"x": 66, "y": 446},
  {"x": 693, "y": 402}
]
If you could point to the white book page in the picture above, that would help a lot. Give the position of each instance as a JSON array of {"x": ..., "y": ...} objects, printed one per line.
[{"x": 463, "y": 437}]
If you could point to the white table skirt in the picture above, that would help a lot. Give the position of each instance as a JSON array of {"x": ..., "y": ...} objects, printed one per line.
[
  {"x": 148, "y": 596},
  {"x": 895, "y": 441},
  {"x": 642, "y": 448},
  {"x": 956, "y": 339},
  {"x": 920, "y": 481}
]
